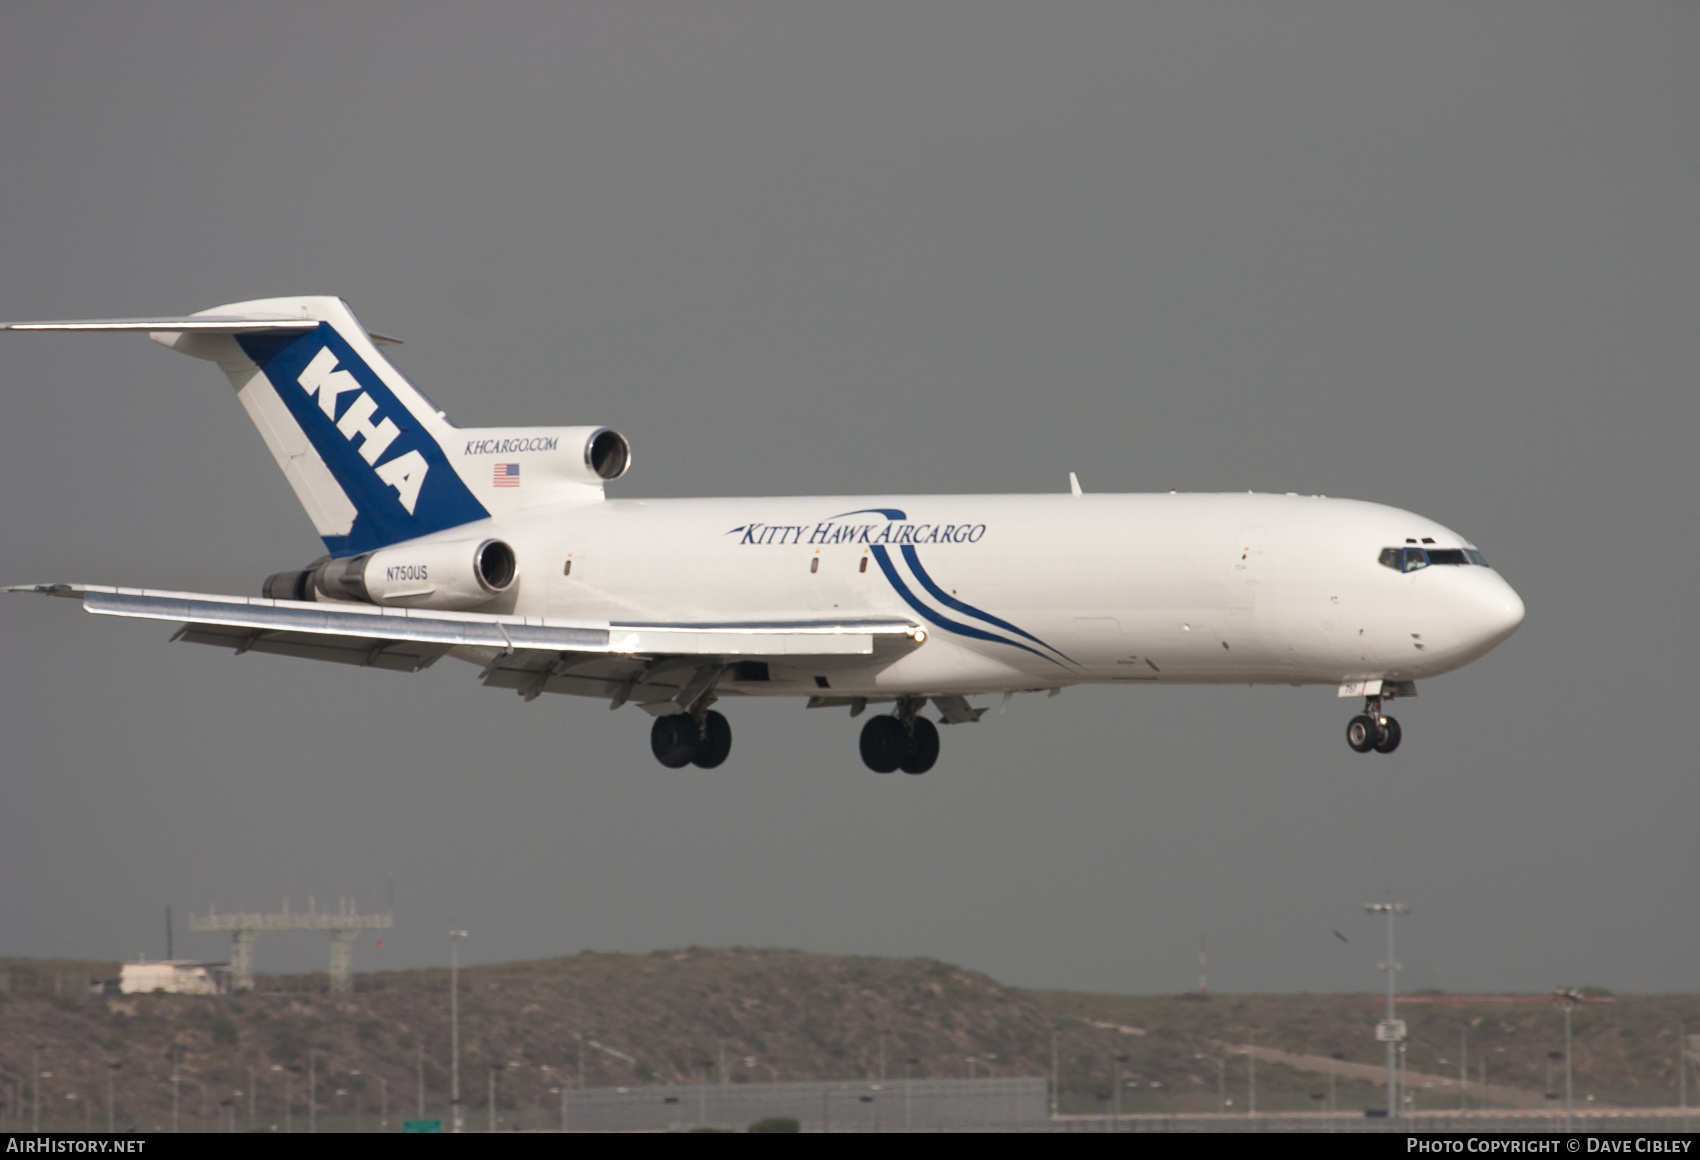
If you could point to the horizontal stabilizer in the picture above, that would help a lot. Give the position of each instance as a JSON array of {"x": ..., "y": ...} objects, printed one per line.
[{"x": 201, "y": 323}]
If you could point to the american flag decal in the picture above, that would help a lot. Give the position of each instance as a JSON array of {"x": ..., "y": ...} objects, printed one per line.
[{"x": 507, "y": 475}]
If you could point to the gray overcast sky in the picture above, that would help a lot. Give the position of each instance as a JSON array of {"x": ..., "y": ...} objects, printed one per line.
[{"x": 1442, "y": 256}]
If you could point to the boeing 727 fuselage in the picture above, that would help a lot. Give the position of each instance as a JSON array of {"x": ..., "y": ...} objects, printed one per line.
[{"x": 499, "y": 547}]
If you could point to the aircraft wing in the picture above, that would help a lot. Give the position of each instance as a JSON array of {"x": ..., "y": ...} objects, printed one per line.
[{"x": 643, "y": 662}]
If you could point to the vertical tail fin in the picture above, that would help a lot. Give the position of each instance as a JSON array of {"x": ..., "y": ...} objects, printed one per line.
[
  {"x": 361, "y": 446},
  {"x": 372, "y": 461}
]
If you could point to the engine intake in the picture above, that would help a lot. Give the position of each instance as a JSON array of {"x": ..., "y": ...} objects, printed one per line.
[
  {"x": 607, "y": 454},
  {"x": 458, "y": 575}
]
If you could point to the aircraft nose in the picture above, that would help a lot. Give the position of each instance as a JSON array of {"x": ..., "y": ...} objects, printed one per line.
[{"x": 1488, "y": 611}]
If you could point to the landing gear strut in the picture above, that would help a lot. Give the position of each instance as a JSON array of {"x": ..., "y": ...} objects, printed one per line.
[
  {"x": 1373, "y": 729},
  {"x": 906, "y": 741},
  {"x": 703, "y": 739}
]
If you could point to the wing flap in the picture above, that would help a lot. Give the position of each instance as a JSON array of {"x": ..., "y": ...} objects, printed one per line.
[
  {"x": 368, "y": 652},
  {"x": 410, "y": 638}
]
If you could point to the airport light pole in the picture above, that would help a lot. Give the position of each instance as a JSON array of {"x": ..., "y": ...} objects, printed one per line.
[
  {"x": 1221, "y": 1078},
  {"x": 1463, "y": 1064},
  {"x": 1251, "y": 1076},
  {"x": 1568, "y": 997},
  {"x": 562, "y": 1089},
  {"x": 1333, "y": 1105},
  {"x": 384, "y": 1087},
  {"x": 111, "y": 1070},
  {"x": 702, "y": 1092},
  {"x": 1391, "y": 1031},
  {"x": 203, "y": 1087},
  {"x": 454, "y": 1028},
  {"x": 1688, "y": 1051},
  {"x": 288, "y": 1101},
  {"x": 11, "y": 1107},
  {"x": 1116, "y": 1102},
  {"x": 1054, "y": 1071}
]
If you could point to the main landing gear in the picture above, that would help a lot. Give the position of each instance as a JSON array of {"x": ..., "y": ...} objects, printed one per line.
[
  {"x": 1373, "y": 729},
  {"x": 906, "y": 741},
  {"x": 702, "y": 739}
]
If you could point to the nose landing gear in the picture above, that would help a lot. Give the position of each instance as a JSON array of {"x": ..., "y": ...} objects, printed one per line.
[{"x": 1373, "y": 729}]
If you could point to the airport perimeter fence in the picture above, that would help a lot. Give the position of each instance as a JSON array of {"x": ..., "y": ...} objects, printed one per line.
[
  {"x": 934, "y": 1106},
  {"x": 919, "y": 1105},
  {"x": 1649, "y": 1121}
]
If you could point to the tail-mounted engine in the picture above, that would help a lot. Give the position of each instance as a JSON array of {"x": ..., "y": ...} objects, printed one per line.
[{"x": 459, "y": 575}]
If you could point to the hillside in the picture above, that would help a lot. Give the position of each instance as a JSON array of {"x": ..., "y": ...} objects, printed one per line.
[{"x": 673, "y": 1016}]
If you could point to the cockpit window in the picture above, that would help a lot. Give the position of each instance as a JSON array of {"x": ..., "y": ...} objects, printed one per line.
[{"x": 1411, "y": 559}]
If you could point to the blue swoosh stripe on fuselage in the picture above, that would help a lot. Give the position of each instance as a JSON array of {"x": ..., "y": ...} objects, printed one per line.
[
  {"x": 934, "y": 617},
  {"x": 950, "y": 601},
  {"x": 888, "y": 513}
]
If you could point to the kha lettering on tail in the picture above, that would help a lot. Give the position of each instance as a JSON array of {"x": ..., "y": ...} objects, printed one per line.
[{"x": 406, "y": 472}]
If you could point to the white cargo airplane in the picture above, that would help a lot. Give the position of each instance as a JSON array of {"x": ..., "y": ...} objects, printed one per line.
[{"x": 497, "y": 546}]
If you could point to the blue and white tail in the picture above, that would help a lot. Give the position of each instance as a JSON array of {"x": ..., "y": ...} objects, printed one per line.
[
  {"x": 361, "y": 447},
  {"x": 372, "y": 461}
]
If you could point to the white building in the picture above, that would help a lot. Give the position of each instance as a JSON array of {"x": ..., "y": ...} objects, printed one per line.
[{"x": 174, "y": 977}]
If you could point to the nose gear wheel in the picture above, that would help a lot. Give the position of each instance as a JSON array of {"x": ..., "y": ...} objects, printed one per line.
[{"x": 1373, "y": 729}]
